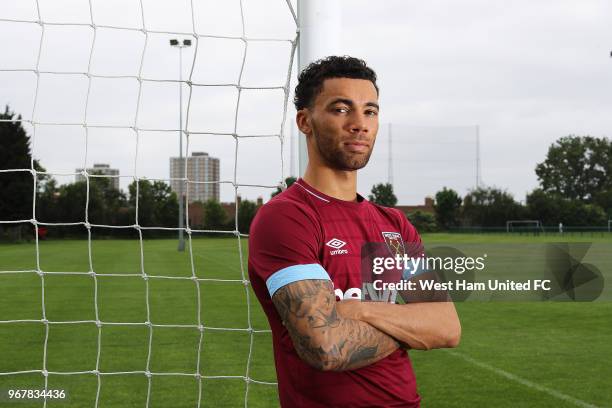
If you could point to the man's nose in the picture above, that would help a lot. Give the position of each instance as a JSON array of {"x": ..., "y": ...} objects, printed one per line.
[{"x": 358, "y": 123}]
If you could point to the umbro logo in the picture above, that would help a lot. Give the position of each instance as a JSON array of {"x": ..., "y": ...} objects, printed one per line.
[{"x": 336, "y": 244}]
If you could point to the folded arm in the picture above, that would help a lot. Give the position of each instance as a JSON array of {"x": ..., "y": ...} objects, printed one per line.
[
  {"x": 421, "y": 326},
  {"x": 324, "y": 338},
  {"x": 429, "y": 322}
]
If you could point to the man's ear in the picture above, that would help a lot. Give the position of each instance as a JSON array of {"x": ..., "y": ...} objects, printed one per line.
[{"x": 303, "y": 121}]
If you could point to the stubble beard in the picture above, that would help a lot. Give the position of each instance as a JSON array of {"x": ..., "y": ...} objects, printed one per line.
[{"x": 337, "y": 158}]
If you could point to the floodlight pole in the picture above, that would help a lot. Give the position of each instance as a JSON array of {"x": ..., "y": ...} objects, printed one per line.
[
  {"x": 478, "y": 181},
  {"x": 319, "y": 24},
  {"x": 181, "y": 199},
  {"x": 390, "y": 158}
]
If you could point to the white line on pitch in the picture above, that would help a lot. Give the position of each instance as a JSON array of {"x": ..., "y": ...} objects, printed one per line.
[{"x": 522, "y": 381}]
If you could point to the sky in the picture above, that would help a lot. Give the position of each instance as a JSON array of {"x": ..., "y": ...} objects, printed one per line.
[{"x": 514, "y": 75}]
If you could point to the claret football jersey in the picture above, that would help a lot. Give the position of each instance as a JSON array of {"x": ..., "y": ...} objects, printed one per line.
[{"x": 305, "y": 234}]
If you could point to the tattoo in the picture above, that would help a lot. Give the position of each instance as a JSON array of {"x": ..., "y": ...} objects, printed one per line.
[
  {"x": 365, "y": 353},
  {"x": 320, "y": 336}
]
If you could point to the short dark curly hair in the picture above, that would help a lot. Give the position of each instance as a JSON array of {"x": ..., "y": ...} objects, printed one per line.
[{"x": 310, "y": 80}]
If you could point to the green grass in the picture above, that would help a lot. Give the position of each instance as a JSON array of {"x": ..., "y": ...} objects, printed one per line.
[{"x": 562, "y": 346}]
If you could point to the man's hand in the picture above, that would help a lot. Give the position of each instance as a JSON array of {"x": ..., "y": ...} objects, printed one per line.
[
  {"x": 350, "y": 309},
  {"x": 421, "y": 326},
  {"x": 324, "y": 338}
]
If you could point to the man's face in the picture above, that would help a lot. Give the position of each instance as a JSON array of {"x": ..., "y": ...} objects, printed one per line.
[{"x": 343, "y": 123}]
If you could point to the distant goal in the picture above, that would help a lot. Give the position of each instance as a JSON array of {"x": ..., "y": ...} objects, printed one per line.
[{"x": 524, "y": 226}]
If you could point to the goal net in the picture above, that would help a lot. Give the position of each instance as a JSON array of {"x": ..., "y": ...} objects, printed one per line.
[
  {"x": 524, "y": 226},
  {"x": 129, "y": 322}
]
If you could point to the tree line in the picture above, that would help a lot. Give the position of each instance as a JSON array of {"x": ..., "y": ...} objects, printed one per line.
[
  {"x": 157, "y": 206},
  {"x": 575, "y": 188},
  {"x": 148, "y": 203}
]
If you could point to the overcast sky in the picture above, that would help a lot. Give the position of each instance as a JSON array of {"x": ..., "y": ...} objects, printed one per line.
[{"x": 520, "y": 73}]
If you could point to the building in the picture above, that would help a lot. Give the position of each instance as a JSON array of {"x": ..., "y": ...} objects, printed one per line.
[
  {"x": 230, "y": 208},
  {"x": 427, "y": 207},
  {"x": 200, "y": 168},
  {"x": 102, "y": 169}
]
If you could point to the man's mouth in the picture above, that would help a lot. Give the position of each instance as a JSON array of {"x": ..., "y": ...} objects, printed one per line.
[{"x": 357, "y": 147}]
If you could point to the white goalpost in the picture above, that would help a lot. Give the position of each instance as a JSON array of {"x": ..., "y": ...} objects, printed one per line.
[
  {"x": 315, "y": 16},
  {"x": 319, "y": 25},
  {"x": 524, "y": 225}
]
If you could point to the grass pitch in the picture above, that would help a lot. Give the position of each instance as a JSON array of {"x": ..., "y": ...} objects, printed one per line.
[{"x": 511, "y": 354}]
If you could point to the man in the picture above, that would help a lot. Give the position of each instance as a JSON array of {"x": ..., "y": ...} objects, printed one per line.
[{"x": 330, "y": 349}]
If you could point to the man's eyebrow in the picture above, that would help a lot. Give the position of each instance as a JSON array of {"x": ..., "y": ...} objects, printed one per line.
[
  {"x": 351, "y": 103},
  {"x": 342, "y": 100}
]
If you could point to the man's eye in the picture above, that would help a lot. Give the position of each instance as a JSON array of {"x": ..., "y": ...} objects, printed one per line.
[
  {"x": 372, "y": 113},
  {"x": 341, "y": 110}
]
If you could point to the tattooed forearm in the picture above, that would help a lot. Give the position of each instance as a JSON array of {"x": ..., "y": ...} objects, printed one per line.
[{"x": 322, "y": 337}]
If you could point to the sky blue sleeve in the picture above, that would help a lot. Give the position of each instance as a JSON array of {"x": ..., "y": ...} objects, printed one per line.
[{"x": 295, "y": 273}]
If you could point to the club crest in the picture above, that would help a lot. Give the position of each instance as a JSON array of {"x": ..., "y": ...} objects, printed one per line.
[{"x": 394, "y": 243}]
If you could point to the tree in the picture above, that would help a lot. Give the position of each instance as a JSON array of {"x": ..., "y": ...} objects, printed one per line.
[
  {"x": 157, "y": 204},
  {"x": 166, "y": 204},
  {"x": 106, "y": 202},
  {"x": 490, "y": 207},
  {"x": 552, "y": 209},
  {"x": 604, "y": 200},
  {"x": 71, "y": 202},
  {"x": 46, "y": 201},
  {"x": 145, "y": 203},
  {"x": 288, "y": 181},
  {"x": 382, "y": 194},
  {"x": 545, "y": 207},
  {"x": 246, "y": 213},
  {"x": 16, "y": 186},
  {"x": 423, "y": 221},
  {"x": 581, "y": 214},
  {"x": 577, "y": 167},
  {"x": 448, "y": 207},
  {"x": 215, "y": 217}
]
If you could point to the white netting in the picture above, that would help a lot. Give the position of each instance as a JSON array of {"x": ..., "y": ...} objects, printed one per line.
[{"x": 38, "y": 120}]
